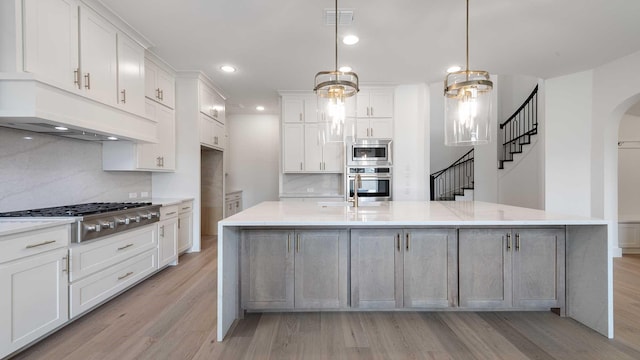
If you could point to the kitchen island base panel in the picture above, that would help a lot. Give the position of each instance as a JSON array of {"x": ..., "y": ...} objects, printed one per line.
[
  {"x": 590, "y": 278},
  {"x": 228, "y": 278}
]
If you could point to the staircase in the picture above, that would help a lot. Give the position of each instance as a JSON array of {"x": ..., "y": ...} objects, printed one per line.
[
  {"x": 518, "y": 129},
  {"x": 454, "y": 182}
]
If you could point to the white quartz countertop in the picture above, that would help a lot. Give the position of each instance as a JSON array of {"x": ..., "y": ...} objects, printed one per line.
[
  {"x": 14, "y": 226},
  {"x": 168, "y": 201},
  {"x": 401, "y": 213}
]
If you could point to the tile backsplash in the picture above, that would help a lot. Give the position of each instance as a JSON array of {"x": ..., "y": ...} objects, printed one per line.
[{"x": 51, "y": 171}]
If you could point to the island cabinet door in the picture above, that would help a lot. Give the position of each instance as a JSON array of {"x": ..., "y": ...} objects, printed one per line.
[
  {"x": 430, "y": 268},
  {"x": 376, "y": 268},
  {"x": 484, "y": 257},
  {"x": 321, "y": 269},
  {"x": 267, "y": 258},
  {"x": 538, "y": 268}
]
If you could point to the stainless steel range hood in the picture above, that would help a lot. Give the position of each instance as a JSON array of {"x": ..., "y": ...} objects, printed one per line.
[{"x": 51, "y": 129}]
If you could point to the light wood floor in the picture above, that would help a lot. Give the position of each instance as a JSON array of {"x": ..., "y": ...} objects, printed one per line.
[{"x": 172, "y": 316}]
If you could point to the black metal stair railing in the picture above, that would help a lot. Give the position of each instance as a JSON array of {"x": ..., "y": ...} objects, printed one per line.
[
  {"x": 452, "y": 181},
  {"x": 518, "y": 129}
]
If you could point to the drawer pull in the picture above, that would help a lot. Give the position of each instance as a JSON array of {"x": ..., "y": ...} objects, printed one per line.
[
  {"x": 171, "y": 213},
  {"x": 40, "y": 244},
  {"x": 125, "y": 275},
  {"x": 186, "y": 208},
  {"x": 124, "y": 247}
]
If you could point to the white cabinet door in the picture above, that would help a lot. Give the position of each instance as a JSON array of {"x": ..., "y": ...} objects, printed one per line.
[
  {"x": 430, "y": 268},
  {"x": 205, "y": 130},
  {"x": 362, "y": 107},
  {"x": 150, "y": 80},
  {"x": 376, "y": 268},
  {"x": 293, "y": 147},
  {"x": 34, "y": 299},
  {"x": 206, "y": 97},
  {"x": 267, "y": 259},
  {"x": 51, "y": 41},
  {"x": 131, "y": 78},
  {"x": 292, "y": 109},
  {"x": 381, "y": 128},
  {"x": 218, "y": 135},
  {"x": 362, "y": 128},
  {"x": 484, "y": 268},
  {"x": 333, "y": 157},
  {"x": 538, "y": 268},
  {"x": 381, "y": 103},
  {"x": 321, "y": 269},
  {"x": 185, "y": 231},
  {"x": 159, "y": 156},
  {"x": 159, "y": 85},
  {"x": 312, "y": 148},
  {"x": 167, "y": 241},
  {"x": 98, "y": 54}
]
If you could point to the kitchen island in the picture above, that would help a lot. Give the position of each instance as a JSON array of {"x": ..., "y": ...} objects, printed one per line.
[{"x": 418, "y": 256}]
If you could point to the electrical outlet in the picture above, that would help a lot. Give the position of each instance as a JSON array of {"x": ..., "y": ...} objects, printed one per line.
[
  {"x": 133, "y": 195},
  {"x": 144, "y": 194},
  {"x": 309, "y": 190}
]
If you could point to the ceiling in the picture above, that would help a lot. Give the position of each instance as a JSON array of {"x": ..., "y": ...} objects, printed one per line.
[{"x": 282, "y": 44}]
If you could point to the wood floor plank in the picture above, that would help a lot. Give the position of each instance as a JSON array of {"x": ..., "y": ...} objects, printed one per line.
[{"x": 172, "y": 316}]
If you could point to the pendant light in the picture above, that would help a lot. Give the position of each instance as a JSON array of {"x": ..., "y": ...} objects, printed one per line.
[
  {"x": 335, "y": 91},
  {"x": 467, "y": 111}
]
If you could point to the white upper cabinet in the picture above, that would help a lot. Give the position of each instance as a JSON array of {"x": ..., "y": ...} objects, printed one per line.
[
  {"x": 98, "y": 56},
  {"x": 299, "y": 109},
  {"x": 375, "y": 103},
  {"x": 51, "y": 41},
  {"x": 211, "y": 103},
  {"x": 159, "y": 85},
  {"x": 131, "y": 80}
]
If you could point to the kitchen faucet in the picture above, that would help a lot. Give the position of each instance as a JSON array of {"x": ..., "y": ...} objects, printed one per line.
[{"x": 357, "y": 184}]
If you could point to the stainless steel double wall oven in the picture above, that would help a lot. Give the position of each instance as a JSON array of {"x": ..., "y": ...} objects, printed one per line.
[{"x": 371, "y": 159}]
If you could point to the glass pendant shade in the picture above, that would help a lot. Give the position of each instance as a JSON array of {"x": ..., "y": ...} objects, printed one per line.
[
  {"x": 336, "y": 92},
  {"x": 467, "y": 111}
]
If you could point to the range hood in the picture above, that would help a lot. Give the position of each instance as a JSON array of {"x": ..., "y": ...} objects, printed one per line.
[{"x": 50, "y": 129}]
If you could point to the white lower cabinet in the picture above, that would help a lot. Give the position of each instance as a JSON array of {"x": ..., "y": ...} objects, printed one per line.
[
  {"x": 512, "y": 268},
  {"x": 286, "y": 269},
  {"x": 102, "y": 269},
  {"x": 232, "y": 203},
  {"x": 34, "y": 299},
  {"x": 185, "y": 226},
  {"x": 394, "y": 268},
  {"x": 168, "y": 236}
]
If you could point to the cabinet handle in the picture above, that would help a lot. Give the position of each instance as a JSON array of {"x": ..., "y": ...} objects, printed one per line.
[
  {"x": 372, "y": 113},
  {"x": 65, "y": 259},
  {"x": 87, "y": 80},
  {"x": 367, "y": 130},
  {"x": 40, "y": 244},
  {"x": 320, "y": 165},
  {"x": 408, "y": 241},
  {"x": 288, "y": 243},
  {"x": 162, "y": 161},
  {"x": 508, "y": 241},
  {"x": 158, "y": 93},
  {"x": 398, "y": 241},
  {"x": 301, "y": 166},
  {"x": 300, "y": 116},
  {"x": 298, "y": 243},
  {"x": 178, "y": 223},
  {"x": 185, "y": 208},
  {"x": 76, "y": 77},
  {"x": 162, "y": 230},
  {"x": 367, "y": 111},
  {"x": 517, "y": 241},
  {"x": 372, "y": 130},
  {"x": 125, "y": 275},
  {"x": 162, "y": 94},
  {"x": 124, "y": 96},
  {"x": 124, "y": 247},
  {"x": 158, "y": 161},
  {"x": 170, "y": 213}
]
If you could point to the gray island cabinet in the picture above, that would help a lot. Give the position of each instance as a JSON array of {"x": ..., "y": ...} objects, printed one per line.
[{"x": 413, "y": 256}]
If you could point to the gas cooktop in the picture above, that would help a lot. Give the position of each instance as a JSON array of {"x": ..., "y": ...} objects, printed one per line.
[{"x": 76, "y": 210}]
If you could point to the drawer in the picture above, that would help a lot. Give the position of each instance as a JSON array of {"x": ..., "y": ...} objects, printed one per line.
[
  {"x": 186, "y": 206},
  {"x": 99, "y": 287},
  {"x": 29, "y": 243},
  {"x": 89, "y": 258},
  {"x": 169, "y": 211}
]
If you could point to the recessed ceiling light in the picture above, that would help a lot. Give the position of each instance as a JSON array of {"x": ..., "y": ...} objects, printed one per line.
[
  {"x": 61, "y": 128},
  {"x": 112, "y": 138},
  {"x": 28, "y": 138},
  {"x": 260, "y": 108},
  {"x": 228, "y": 68},
  {"x": 350, "y": 40},
  {"x": 454, "y": 69},
  {"x": 345, "y": 68}
]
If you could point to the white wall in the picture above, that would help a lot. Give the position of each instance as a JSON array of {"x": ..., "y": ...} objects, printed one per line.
[
  {"x": 629, "y": 168},
  {"x": 568, "y": 117},
  {"x": 52, "y": 171},
  {"x": 411, "y": 143},
  {"x": 253, "y": 157}
]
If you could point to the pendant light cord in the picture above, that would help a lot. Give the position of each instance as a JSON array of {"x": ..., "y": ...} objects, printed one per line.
[
  {"x": 467, "y": 40},
  {"x": 337, "y": 35}
]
